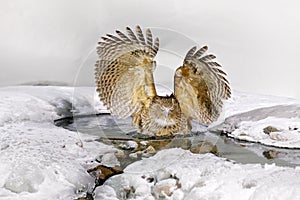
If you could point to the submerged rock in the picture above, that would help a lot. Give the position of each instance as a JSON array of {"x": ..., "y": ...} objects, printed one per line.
[
  {"x": 150, "y": 150},
  {"x": 204, "y": 147}
]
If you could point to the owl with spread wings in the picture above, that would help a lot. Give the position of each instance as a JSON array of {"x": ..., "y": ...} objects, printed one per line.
[{"x": 125, "y": 83}]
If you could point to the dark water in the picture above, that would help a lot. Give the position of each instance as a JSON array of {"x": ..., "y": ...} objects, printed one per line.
[{"x": 106, "y": 126}]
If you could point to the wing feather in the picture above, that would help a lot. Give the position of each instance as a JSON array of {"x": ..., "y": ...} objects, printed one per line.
[
  {"x": 116, "y": 39},
  {"x": 190, "y": 53},
  {"x": 149, "y": 37},
  {"x": 207, "y": 58},
  {"x": 140, "y": 35},
  {"x": 124, "y": 71},
  {"x": 131, "y": 35},
  {"x": 201, "y": 86},
  {"x": 200, "y": 52},
  {"x": 123, "y": 36}
]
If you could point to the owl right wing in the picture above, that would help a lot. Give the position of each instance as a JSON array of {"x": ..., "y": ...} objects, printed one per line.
[
  {"x": 124, "y": 71},
  {"x": 201, "y": 86}
]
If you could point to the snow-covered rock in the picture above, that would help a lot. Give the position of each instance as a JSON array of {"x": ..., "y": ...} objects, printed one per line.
[
  {"x": 179, "y": 174},
  {"x": 251, "y": 126}
]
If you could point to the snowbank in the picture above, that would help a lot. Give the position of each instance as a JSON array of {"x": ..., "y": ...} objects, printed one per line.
[
  {"x": 242, "y": 102},
  {"x": 39, "y": 160},
  {"x": 179, "y": 174},
  {"x": 42, "y": 161},
  {"x": 249, "y": 118}
]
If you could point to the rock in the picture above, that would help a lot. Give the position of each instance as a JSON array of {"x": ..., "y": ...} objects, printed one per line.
[
  {"x": 133, "y": 155},
  {"x": 278, "y": 136},
  {"x": 128, "y": 145},
  {"x": 159, "y": 144},
  {"x": 270, "y": 129},
  {"x": 149, "y": 178},
  {"x": 109, "y": 159},
  {"x": 204, "y": 147},
  {"x": 293, "y": 128},
  {"x": 120, "y": 154},
  {"x": 102, "y": 173},
  {"x": 144, "y": 143},
  {"x": 139, "y": 152},
  {"x": 88, "y": 196},
  {"x": 150, "y": 150},
  {"x": 183, "y": 143},
  {"x": 271, "y": 154},
  {"x": 243, "y": 134},
  {"x": 165, "y": 188}
]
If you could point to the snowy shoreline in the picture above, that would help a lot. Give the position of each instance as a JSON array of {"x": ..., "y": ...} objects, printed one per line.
[
  {"x": 179, "y": 174},
  {"x": 275, "y": 126},
  {"x": 38, "y": 159},
  {"x": 42, "y": 161}
]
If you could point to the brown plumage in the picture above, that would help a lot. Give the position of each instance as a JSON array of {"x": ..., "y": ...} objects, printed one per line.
[{"x": 124, "y": 78}]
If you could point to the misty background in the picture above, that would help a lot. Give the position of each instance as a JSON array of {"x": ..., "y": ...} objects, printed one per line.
[{"x": 257, "y": 42}]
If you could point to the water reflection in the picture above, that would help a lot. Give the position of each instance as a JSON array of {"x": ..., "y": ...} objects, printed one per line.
[{"x": 118, "y": 132}]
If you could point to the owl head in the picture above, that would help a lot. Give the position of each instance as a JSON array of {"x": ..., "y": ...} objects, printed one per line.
[{"x": 164, "y": 109}]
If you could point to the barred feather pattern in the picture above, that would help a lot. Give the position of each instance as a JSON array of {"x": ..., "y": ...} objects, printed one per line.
[
  {"x": 124, "y": 70},
  {"x": 124, "y": 78},
  {"x": 149, "y": 125},
  {"x": 201, "y": 86}
]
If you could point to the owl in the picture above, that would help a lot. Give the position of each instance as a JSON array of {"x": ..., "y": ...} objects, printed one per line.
[{"x": 125, "y": 84}]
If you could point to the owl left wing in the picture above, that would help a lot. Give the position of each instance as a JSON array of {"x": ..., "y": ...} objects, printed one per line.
[
  {"x": 124, "y": 71},
  {"x": 201, "y": 86}
]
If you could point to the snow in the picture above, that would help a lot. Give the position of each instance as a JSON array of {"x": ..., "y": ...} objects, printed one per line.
[
  {"x": 242, "y": 102},
  {"x": 247, "y": 115},
  {"x": 42, "y": 161},
  {"x": 64, "y": 100},
  {"x": 38, "y": 159},
  {"x": 179, "y": 174},
  {"x": 288, "y": 134}
]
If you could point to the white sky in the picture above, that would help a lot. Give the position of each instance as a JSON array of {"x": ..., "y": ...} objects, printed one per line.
[{"x": 257, "y": 42}]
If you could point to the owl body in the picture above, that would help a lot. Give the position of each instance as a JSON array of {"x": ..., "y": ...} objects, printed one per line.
[
  {"x": 125, "y": 83},
  {"x": 163, "y": 117}
]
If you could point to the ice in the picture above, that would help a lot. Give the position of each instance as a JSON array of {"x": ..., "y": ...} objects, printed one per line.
[
  {"x": 109, "y": 160},
  {"x": 15, "y": 107},
  {"x": 165, "y": 188},
  {"x": 194, "y": 176},
  {"x": 242, "y": 102},
  {"x": 53, "y": 155},
  {"x": 42, "y": 161},
  {"x": 105, "y": 192},
  {"x": 129, "y": 145},
  {"x": 249, "y": 126},
  {"x": 26, "y": 100},
  {"x": 24, "y": 178},
  {"x": 38, "y": 159}
]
